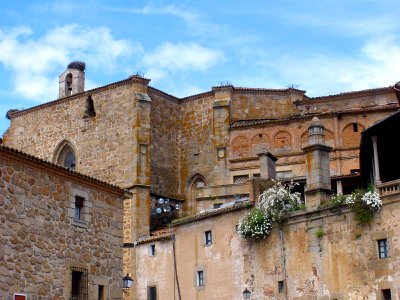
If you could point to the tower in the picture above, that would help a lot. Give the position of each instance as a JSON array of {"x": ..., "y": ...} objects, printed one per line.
[{"x": 72, "y": 81}]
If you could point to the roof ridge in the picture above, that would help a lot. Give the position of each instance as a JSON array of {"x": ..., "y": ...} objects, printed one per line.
[{"x": 64, "y": 170}]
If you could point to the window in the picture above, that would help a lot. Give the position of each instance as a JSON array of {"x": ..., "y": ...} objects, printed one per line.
[
  {"x": 152, "y": 250},
  {"x": 281, "y": 286},
  {"x": 217, "y": 205},
  {"x": 386, "y": 294},
  {"x": 69, "y": 160},
  {"x": 100, "y": 294},
  {"x": 355, "y": 127},
  {"x": 78, "y": 215},
  {"x": 240, "y": 179},
  {"x": 208, "y": 237},
  {"x": 383, "y": 248},
  {"x": 151, "y": 293},
  {"x": 79, "y": 284},
  {"x": 200, "y": 278}
]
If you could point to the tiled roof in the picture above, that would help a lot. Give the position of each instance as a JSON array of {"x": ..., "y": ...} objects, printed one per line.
[
  {"x": 352, "y": 93},
  {"x": 156, "y": 237},
  {"x": 64, "y": 171},
  {"x": 244, "y": 123},
  {"x": 213, "y": 213}
]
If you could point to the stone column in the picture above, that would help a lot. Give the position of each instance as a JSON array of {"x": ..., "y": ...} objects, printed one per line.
[
  {"x": 138, "y": 209},
  {"x": 221, "y": 121},
  {"x": 376, "y": 159},
  {"x": 267, "y": 165},
  {"x": 318, "y": 188},
  {"x": 339, "y": 187}
]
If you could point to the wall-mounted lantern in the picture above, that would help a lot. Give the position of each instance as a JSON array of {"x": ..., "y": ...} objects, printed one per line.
[
  {"x": 127, "y": 282},
  {"x": 246, "y": 294}
]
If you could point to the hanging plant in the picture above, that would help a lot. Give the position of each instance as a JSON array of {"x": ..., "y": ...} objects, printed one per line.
[
  {"x": 279, "y": 201},
  {"x": 274, "y": 205},
  {"x": 255, "y": 225},
  {"x": 364, "y": 204}
]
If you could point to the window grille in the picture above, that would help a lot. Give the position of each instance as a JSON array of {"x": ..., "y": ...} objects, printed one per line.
[
  {"x": 240, "y": 179},
  {"x": 200, "y": 278},
  {"x": 151, "y": 293},
  {"x": 79, "y": 284},
  {"x": 383, "y": 248}
]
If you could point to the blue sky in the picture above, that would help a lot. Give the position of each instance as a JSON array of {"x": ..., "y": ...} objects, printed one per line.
[{"x": 186, "y": 47}]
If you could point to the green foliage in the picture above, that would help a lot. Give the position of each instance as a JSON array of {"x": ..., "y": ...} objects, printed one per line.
[
  {"x": 255, "y": 225},
  {"x": 319, "y": 233},
  {"x": 364, "y": 204}
]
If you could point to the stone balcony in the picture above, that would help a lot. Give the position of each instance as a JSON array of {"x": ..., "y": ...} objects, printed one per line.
[
  {"x": 389, "y": 188},
  {"x": 223, "y": 191}
]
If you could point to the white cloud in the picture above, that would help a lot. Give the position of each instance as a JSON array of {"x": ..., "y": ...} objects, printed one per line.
[
  {"x": 375, "y": 65},
  {"x": 180, "y": 57},
  {"x": 195, "y": 22},
  {"x": 35, "y": 60}
]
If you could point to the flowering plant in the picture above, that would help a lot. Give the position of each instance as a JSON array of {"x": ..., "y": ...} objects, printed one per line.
[
  {"x": 274, "y": 205},
  {"x": 255, "y": 225},
  {"x": 279, "y": 201},
  {"x": 364, "y": 204}
]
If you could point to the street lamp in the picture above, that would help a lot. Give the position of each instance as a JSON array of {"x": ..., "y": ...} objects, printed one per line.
[
  {"x": 246, "y": 294},
  {"x": 127, "y": 281}
]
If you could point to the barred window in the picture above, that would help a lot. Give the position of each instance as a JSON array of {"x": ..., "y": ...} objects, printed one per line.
[
  {"x": 200, "y": 278},
  {"x": 208, "y": 237},
  {"x": 240, "y": 179},
  {"x": 79, "y": 284},
  {"x": 383, "y": 248}
]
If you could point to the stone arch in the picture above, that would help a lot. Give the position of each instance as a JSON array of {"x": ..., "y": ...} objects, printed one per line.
[
  {"x": 351, "y": 135},
  {"x": 65, "y": 155},
  {"x": 195, "y": 181},
  {"x": 240, "y": 146},
  {"x": 282, "y": 140},
  {"x": 259, "y": 142}
]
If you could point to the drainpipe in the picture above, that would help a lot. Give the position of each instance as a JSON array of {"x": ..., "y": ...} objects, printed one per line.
[{"x": 283, "y": 258}]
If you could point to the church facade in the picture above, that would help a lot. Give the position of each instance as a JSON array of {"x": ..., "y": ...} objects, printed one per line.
[{"x": 185, "y": 156}]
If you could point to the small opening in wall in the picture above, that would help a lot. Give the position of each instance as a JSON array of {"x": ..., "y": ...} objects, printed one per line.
[
  {"x": 386, "y": 294},
  {"x": 89, "y": 110},
  {"x": 383, "y": 248},
  {"x": 208, "y": 237},
  {"x": 260, "y": 135},
  {"x": 152, "y": 250},
  {"x": 281, "y": 286},
  {"x": 100, "y": 292},
  {"x": 355, "y": 127}
]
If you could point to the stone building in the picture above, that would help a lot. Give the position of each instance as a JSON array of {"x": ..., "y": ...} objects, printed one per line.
[
  {"x": 61, "y": 232},
  {"x": 199, "y": 152}
]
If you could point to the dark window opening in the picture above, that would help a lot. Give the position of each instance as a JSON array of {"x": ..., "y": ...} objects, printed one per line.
[
  {"x": 89, "y": 111},
  {"x": 78, "y": 208},
  {"x": 200, "y": 278},
  {"x": 79, "y": 287},
  {"x": 281, "y": 286},
  {"x": 355, "y": 127},
  {"x": 68, "y": 84},
  {"x": 386, "y": 294},
  {"x": 208, "y": 237},
  {"x": 152, "y": 250},
  {"x": 69, "y": 161},
  {"x": 383, "y": 248},
  {"x": 101, "y": 292},
  {"x": 217, "y": 205},
  {"x": 151, "y": 293},
  {"x": 260, "y": 135}
]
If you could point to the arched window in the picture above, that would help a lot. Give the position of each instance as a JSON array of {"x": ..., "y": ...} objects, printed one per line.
[
  {"x": 65, "y": 155},
  {"x": 68, "y": 84}
]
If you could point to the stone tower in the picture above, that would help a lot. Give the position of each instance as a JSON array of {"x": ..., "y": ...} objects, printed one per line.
[
  {"x": 318, "y": 186},
  {"x": 72, "y": 81}
]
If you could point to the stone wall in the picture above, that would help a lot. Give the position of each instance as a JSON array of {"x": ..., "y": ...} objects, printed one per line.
[
  {"x": 340, "y": 263},
  {"x": 104, "y": 145},
  {"x": 40, "y": 238},
  {"x": 165, "y": 146}
]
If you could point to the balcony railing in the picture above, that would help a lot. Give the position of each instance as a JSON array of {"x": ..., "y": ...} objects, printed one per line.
[{"x": 389, "y": 188}]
